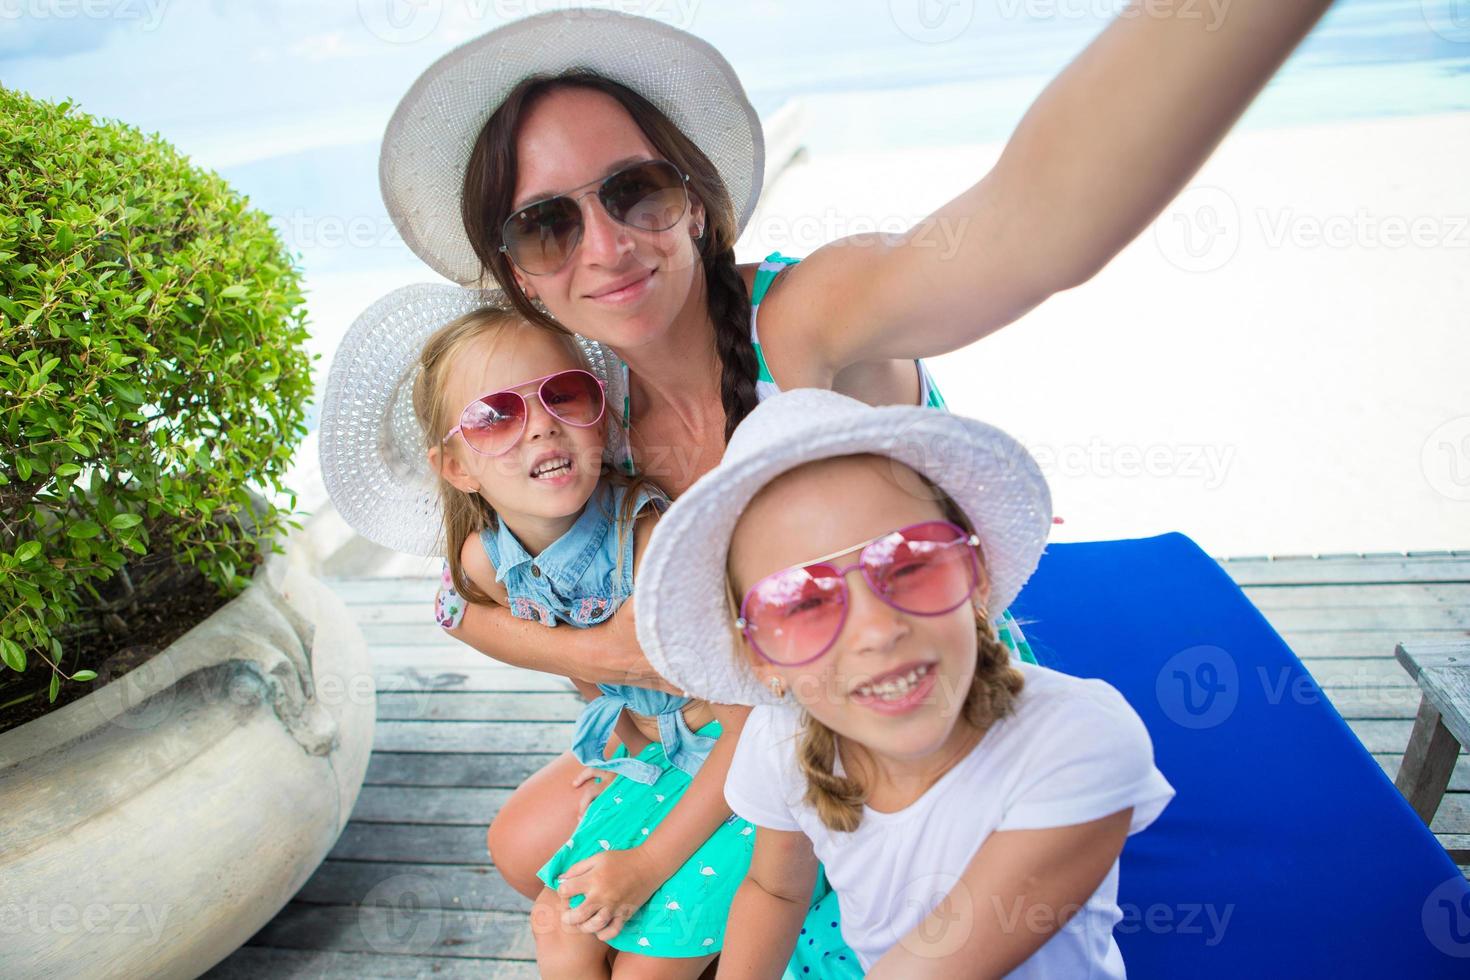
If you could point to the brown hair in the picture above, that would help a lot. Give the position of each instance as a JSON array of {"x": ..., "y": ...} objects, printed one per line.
[
  {"x": 469, "y": 513},
  {"x": 489, "y": 191},
  {"x": 994, "y": 687}
]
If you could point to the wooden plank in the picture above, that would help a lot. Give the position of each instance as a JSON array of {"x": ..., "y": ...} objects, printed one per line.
[
  {"x": 392, "y": 924},
  {"x": 469, "y": 806},
  {"x": 1453, "y": 816},
  {"x": 1374, "y": 703},
  {"x": 1391, "y": 619},
  {"x": 474, "y": 706},
  {"x": 1382, "y": 736},
  {"x": 471, "y": 736},
  {"x": 1364, "y": 672},
  {"x": 428, "y": 677},
  {"x": 476, "y": 769},
  {"x": 254, "y": 962},
  {"x": 1459, "y": 776},
  {"x": 376, "y": 591},
  {"x": 474, "y": 888},
  {"x": 1362, "y": 643},
  {"x": 1443, "y": 674},
  {"x": 1269, "y": 598},
  {"x": 412, "y": 843},
  {"x": 1348, "y": 570}
]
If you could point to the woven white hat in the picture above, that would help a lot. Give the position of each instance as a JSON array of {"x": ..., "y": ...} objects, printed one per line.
[
  {"x": 372, "y": 449},
  {"x": 682, "y": 617},
  {"x": 428, "y": 141}
]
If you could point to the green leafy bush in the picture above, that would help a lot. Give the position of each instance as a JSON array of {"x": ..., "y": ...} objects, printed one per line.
[{"x": 151, "y": 369}]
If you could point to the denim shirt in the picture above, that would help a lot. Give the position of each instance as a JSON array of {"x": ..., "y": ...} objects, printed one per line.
[{"x": 575, "y": 580}]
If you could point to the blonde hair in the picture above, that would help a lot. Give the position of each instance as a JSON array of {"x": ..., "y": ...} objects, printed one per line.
[
  {"x": 466, "y": 514},
  {"x": 992, "y": 695}
]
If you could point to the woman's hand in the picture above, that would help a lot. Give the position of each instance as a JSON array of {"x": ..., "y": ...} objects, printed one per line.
[{"x": 613, "y": 885}]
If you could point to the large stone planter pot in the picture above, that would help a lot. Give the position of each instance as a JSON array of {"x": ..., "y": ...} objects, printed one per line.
[{"x": 151, "y": 827}]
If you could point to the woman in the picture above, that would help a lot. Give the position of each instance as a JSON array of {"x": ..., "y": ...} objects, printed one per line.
[{"x": 554, "y": 189}]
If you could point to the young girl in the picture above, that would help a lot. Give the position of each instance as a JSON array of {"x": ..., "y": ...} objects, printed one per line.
[
  {"x": 535, "y": 521},
  {"x": 837, "y": 569}
]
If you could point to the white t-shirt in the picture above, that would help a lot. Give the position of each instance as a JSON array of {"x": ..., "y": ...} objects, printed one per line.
[{"x": 1072, "y": 751}]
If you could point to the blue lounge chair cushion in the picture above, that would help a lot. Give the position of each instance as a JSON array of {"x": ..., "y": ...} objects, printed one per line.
[{"x": 1287, "y": 851}]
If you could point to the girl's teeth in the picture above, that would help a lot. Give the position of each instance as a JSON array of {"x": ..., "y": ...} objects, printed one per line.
[
  {"x": 551, "y": 470},
  {"x": 894, "y": 689}
]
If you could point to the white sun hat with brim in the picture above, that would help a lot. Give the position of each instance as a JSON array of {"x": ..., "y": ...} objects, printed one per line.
[
  {"x": 373, "y": 450},
  {"x": 427, "y": 145},
  {"x": 682, "y": 616}
]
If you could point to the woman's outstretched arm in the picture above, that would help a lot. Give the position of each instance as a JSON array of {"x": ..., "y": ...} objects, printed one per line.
[{"x": 1095, "y": 159}]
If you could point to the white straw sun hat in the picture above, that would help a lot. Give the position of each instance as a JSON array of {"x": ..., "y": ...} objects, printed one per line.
[
  {"x": 372, "y": 449},
  {"x": 428, "y": 140},
  {"x": 682, "y": 617}
]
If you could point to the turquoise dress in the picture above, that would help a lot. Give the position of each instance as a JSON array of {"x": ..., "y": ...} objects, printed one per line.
[{"x": 581, "y": 579}]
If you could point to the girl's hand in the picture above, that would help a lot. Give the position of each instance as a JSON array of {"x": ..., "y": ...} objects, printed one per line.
[
  {"x": 614, "y": 885},
  {"x": 586, "y": 778}
]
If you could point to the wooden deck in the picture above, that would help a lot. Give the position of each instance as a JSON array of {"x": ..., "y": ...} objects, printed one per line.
[{"x": 409, "y": 891}]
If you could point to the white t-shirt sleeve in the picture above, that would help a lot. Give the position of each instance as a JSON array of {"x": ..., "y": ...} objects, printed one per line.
[
  {"x": 1087, "y": 757},
  {"x": 760, "y": 780}
]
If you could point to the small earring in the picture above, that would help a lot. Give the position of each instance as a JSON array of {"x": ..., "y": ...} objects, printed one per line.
[
  {"x": 777, "y": 686},
  {"x": 698, "y": 232}
]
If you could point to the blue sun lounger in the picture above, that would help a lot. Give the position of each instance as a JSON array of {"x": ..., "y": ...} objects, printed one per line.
[{"x": 1287, "y": 851}]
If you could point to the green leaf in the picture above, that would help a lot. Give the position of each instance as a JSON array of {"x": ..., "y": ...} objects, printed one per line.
[
  {"x": 55, "y": 688},
  {"x": 84, "y": 529},
  {"x": 84, "y": 675},
  {"x": 126, "y": 520},
  {"x": 12, "y": 654},
  {"x": 27, "y": 551},
  {"x": 237, "y": 291}
]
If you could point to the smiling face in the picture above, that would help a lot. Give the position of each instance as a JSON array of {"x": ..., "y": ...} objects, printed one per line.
[
  {"x": 552, "y": 470},
  {"x": 792, "y": 521},
  {"x": 622, "y": 286}
]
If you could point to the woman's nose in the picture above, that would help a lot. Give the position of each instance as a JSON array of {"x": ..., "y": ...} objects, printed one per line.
[{"x": 604, "y": 240}]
